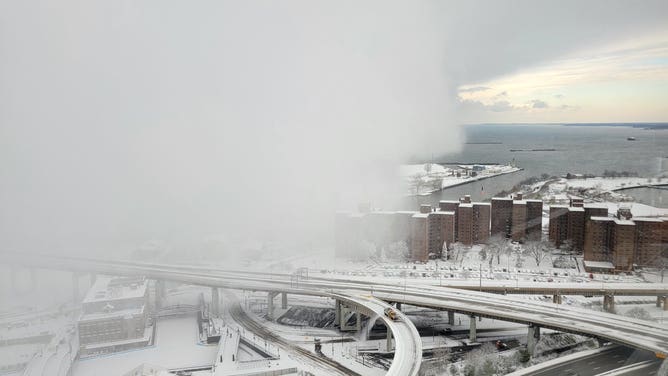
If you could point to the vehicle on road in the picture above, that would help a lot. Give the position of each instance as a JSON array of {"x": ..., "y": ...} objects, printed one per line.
[{"x": 391, "y": 313}]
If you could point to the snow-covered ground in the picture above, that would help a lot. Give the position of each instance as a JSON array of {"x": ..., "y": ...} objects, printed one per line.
[{"x": 423, "y": 179}]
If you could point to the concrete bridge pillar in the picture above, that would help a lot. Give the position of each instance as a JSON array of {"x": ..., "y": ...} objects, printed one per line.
[
  {"x": 665, "y": 303},
  {"x": 284, "y": 300},
  {"x": 659, "y": 300},
  {"x": 215, "y": 301},
  {"x": 399, "y": 306},
  {"x": 343, "y": 319},
  {"x": 473, "y": 335},
  {"x": 270, "y": 305},
  {"x": 389, "y": 339},
  {"x": 609, "y": 303},
  {"x": 451, "y": 317},
  {"x": 533, "y": 336},
  {"x": 337, "y": 312},
  {"x": 556, "y": 299}
]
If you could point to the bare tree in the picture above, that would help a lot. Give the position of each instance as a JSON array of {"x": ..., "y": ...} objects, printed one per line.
[{"x": 538, "y": 250}]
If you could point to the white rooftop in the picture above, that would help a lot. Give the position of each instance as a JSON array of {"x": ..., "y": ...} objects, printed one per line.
[
  {"x": 625, "y": 222},
  {"x": 596, "y": 218},
  {"x": 647, "y": 219},
  {"x": 599, "y": 264},
  {"x": 115, "y": 288}
]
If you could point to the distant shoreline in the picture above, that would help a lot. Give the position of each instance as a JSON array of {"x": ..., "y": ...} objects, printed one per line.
[{"x": 640, "y": 125}]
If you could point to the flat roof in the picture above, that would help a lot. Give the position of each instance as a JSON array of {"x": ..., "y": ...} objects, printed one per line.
[
  {"x": 595, "y": 206},
  {"x": 646, "y": 219},
  {"x": 481, "y": 203},
  {"x": 502, "y": 198},
  {"x": 465, "y": 205},
  {"x": 519, "y": 202},
  {"x": 450, "y": 201},
  {"x": 598, "y": 218},
  {"x": 443, "y": 212},
  {"x": 534, "y": 200},
  {"x": 599, "y": 264},
  {"x": 115, "y": 288},
  {"x": 421, "y": 215},
  {"x": 625, "y": 222},
  {"x": 576, "y": 208},
  {"x": 559, "y": 206}
]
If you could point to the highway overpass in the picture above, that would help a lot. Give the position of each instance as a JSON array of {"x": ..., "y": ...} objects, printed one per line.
[{"x": 619, "y": 329}]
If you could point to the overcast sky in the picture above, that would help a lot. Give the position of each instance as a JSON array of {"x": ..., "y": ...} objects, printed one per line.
[{"x": 126, "y": 121}]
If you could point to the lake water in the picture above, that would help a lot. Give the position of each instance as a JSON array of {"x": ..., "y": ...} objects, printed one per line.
[{"x": 580, "y": 149}]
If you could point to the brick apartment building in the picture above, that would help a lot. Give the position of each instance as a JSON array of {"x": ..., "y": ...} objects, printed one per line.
[
  {"x": 620, "y": 243},
  {"x": 516, "y": 218},
  {"x": 567, "y": 223}
]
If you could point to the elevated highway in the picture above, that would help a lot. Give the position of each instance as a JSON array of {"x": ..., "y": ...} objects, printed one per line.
[{"x": 619, "y": 329}]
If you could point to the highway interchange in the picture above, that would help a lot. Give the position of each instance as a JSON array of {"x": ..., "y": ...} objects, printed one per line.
[{"x": 372, "y": 298}]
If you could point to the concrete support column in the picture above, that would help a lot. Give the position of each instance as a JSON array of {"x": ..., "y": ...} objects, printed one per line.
[
  {"x": 609, "y": 303},
  {"x": 215, "y": 301},
  {"x": 389, "y": 339},
  {"x": 451, "y": 317},
  {"x": 358, "y": 321},
  {"x": 556, "y": 299},
  {"x": 659, "y": 300},
  {"x": 399, "y": 306},
  {"x": 473, "y": 335},
  {"x": 665, "y": 303},
  {"x": 270, "y": 305},
  {"x": 284, "y": 300},
  {"x": 75, "y": 288},
  {"x": 337, "y": 312},
  {"x": 533, "y": 336}
]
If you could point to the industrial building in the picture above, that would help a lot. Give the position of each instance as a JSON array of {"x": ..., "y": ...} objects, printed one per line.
[{"x": 115, "y": 316}]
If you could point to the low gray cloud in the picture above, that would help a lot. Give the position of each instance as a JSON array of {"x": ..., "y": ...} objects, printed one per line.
[{"x": 537, "y": 103}]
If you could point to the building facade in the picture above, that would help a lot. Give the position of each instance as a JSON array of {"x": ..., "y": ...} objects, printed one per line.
[{"x": 114, "y": 316}]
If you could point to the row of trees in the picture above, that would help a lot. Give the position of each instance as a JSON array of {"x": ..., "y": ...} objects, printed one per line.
[{"x": 498, "y": 246}]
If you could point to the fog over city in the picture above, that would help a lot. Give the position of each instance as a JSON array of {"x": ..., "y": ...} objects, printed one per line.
[{"x": 125, "y": 122}]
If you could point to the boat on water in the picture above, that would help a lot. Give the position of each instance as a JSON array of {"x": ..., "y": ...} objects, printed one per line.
[{"x": 630, "y": 138}]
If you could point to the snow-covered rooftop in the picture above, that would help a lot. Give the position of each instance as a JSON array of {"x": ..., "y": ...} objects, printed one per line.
[
  {"x": 114, "y": 288},
  {"x": 576, "y": 208},
  {"x": 645, "y": 219},
  {"x": 596, "y": 218},
  {"x": 625, "y": 222},
  {"x": 599, "y": 264}
]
